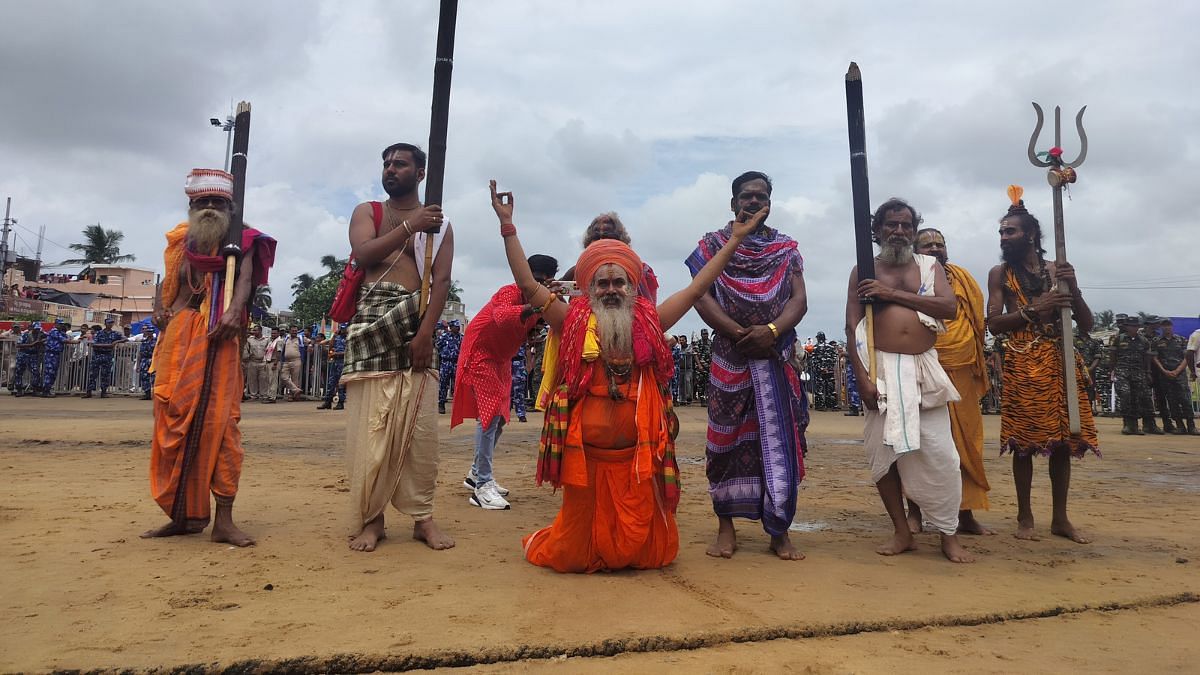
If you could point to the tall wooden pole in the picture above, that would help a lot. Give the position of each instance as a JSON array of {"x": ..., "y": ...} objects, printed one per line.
[
  {"x": 232, "y": 251},
  {"x": 443, "y": 68},
  {"x": 861, "y": 199}
]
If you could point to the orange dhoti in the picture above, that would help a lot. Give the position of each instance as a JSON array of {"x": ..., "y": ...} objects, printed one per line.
[
  {"x": 179, "y": 364},
  {"x": 614, "y": 514}
]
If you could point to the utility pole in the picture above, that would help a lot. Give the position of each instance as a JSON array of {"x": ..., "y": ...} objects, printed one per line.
[{"x": 7, "y": 255}]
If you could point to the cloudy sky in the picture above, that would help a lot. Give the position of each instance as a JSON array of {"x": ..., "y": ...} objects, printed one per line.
[{"x": 648, "y": 109}]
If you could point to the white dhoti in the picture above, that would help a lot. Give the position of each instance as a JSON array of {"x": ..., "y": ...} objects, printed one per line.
[{"x": 912, "y": 431}]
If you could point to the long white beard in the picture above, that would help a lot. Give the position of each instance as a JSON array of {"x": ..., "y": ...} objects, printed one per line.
[
  {"x": 206, "y": 229},
  {"x": 615, "y": 328},
  {"x": 896, "y": 254}
]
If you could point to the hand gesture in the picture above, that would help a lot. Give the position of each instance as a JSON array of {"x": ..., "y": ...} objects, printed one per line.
[
  {"x": 502, "y": 203},
  {"x": 756, "y": 342},
  {"x": 428, "y": 218},
  {"x": 746, "y": 223}
]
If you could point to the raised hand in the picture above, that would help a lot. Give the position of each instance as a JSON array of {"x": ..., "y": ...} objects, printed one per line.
[
  {"x": 747, "y": 223},
  {"x": 502, "y": 204}
]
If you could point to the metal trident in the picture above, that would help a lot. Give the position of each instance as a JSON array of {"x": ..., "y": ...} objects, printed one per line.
[{"x": 1062, "y": 173}]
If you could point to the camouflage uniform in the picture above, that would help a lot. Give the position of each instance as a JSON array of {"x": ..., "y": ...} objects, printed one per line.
[
  {"x": 1171, "y": 353},
  {"x": 448, "y": 346},
  {"x": 145, "y": 354},
  {"x": 1089, "y": 349},
  {"x": 55, "y": 340},
  {"x": 29, "y": 358},
  {"x": 101, "y": 366},
  {"x": 677, "y": 357},
  {"x": 852, "y": 390},
  {"x": 1128, "y": 355},
  {"x": 519, "y": 383},
  {"x": 703, "y": 362},
  {"x": 821, "y": 367}
]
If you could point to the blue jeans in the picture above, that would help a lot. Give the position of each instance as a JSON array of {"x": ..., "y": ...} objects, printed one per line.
[{"x": 485, "y": 445}]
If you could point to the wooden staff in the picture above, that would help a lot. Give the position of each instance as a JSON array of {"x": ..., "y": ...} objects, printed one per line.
[
  {"x": 861, "y": 200},
  {"x": 232, "y": 251},
  {"x": 439, "y": 122}
]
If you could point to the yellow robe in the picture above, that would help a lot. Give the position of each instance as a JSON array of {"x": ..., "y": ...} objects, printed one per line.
[{"x": 960, "y": 351}]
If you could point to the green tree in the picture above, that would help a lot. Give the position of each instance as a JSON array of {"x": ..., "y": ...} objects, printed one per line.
[
  {"x": 302, "y": 283},
  {"x": 333, "y": 265},
  {"x": 262, "y": 298},
  {"x": 312, "y": 304},
  {"x": 1104, "y": 318},
  {"x": 99, "y": 247},
  {"x": 456, "y": 290}
]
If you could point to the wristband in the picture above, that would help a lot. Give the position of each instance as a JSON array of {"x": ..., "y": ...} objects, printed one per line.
[
  {"x": 407, "y": 228},
  {"x": 549, "y": 302},
  {"x": 508, "y": 230},
  {"x": 774, "y": 330}
]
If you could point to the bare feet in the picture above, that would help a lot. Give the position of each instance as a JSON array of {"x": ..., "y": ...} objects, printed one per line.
[
  {"x": 1064, "y": 528},
  {"x": 428, "y": 532},
  {"x": 901, "y": 542},
  {"x": 783, "y": 547},
  {"x": 968, "y": 525},
  {"x": 228, "y": 533},
  {"x": 954, "y": 551},
  {"x": 171, "y": 529},
  {"x": 369, "y": 537},
  {"x": 726, "y": 542},
  {"x": 1025, "y": 530}
]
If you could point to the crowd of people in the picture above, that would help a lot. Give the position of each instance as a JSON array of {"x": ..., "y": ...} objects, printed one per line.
[{"x": 592, "y": 349}]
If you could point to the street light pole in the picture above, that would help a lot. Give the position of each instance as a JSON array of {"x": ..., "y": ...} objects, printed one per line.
[{"x": 226, "y": 126}]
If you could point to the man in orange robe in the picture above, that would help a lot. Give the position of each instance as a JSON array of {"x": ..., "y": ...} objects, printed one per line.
[
  {"x": 197, "y": 447},
  {"x": 608, "y": 435},
  {"x": 960, "y": 351}
]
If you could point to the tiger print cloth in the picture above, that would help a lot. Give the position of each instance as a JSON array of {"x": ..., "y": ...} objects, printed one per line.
[{"x": 1033, "y": 408}]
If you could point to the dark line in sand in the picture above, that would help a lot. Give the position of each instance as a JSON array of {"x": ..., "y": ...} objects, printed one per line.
[{"x": 461, "y": 658}]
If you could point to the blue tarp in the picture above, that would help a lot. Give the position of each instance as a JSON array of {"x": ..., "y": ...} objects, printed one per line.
[{"x": 1185, "y": 325}]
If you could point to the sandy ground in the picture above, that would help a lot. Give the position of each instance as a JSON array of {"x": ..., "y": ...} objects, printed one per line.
[{"x": 81, "y": 590}]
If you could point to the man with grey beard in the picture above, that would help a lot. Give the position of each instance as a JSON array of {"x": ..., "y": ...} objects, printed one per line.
[
  {"x": 907, "y": 435},
  {"x": 197, "y": 364}
]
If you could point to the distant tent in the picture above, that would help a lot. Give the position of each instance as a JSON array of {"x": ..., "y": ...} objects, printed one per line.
[{"x": 63, "y": 298}]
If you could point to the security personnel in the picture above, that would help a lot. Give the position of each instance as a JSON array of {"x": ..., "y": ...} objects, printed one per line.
[
  {"x": 337, "y": 361},
  {"x": 29, "y": 358},
  {"x": 520, "y": 382},
  {"x": 1169, "y": 357},
  {"x": 822, "y": 364},
  {"x": 145, "y": 354},
  {"x": 448, "y": 346},
  {"x": 703, "y": 362},
  {"x": 1129, "y": 357},
  {"x": 101, "y": 366},
  {"x": 55, "y": 339}
]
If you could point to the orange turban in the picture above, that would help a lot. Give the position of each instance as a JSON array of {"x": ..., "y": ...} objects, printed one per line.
[{"x": 604, "y": 252}]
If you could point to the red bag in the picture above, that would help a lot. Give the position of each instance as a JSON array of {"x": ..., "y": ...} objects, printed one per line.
[{"x": 346, "y": 298}]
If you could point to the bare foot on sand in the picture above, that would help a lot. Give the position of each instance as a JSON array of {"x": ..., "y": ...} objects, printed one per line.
[
  {"x": 968, "y": 525},
  {"x": 428, "y": 532},
  {"x": 228, "y": 533},
  {"x": 954, "y": 551},
  {"x": 726, "y": 542},
  {"x": 1064, "y": 528},
  {"x": 1025, "y": 530},
  {"x": 370, "y": 536},
  {"x": 783, "y": 547},
  {"x": 171, "y": 529},
  {"x": 902, "y": 542}
]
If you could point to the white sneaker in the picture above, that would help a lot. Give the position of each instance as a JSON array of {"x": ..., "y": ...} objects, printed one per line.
[
  {"x": 487, "y": 497},
  {"x": 472, "y": 480}
]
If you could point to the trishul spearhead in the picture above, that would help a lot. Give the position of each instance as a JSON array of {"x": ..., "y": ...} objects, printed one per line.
[{"x": 1057, "y": 161}]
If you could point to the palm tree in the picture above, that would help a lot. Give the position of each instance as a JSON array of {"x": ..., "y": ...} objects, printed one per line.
[
  {"x": 100, "y": 247},
  {"x": 455, "y": 294},
  {"x": 302, "y": 283},
  {"x": 1104, "y": 318},
  {"x": 333, "y": 264},
  {"x": 262, "y": 298}
]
